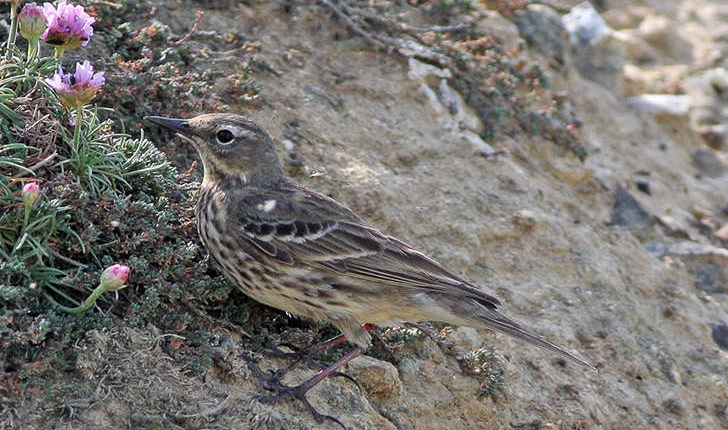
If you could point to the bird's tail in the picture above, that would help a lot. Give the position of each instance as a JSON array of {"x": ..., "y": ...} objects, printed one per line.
[{"x": 495, "y": 320}]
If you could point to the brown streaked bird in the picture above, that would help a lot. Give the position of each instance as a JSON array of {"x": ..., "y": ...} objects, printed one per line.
[{"x": 297, "y": 250}]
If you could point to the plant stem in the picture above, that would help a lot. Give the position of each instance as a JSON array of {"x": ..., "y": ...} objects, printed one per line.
[
  {"x": 28, "y": 209},
  {"x": 77, "y": 144},
  {"x": 77, "y": 131},
  {"x": 77, "y": 127},
  {"x": 32, "y": 50},
  {"x": 86, "y": 305},
  {"x": 13, "y": 30},
  {"x": 23, "y": 232},
  {"x": 90, "y": 301}
]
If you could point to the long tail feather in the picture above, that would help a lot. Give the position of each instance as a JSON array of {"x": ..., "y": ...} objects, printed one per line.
[{"x": 500, "y": 322}]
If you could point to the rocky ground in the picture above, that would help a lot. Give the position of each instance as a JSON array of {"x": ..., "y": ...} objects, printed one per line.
[{"x": 620, "y": 255}]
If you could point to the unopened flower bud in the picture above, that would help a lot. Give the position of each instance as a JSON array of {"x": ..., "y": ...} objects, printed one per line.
[
  {"x": 114, "y": 277},
  {"x": 32, "y": 22},
  {"x": 31, "y": 192}
]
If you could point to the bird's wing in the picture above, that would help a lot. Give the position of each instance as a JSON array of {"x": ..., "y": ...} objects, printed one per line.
[
  {"x": 312, "y": 230},
  {"x": 301, "y": 227}
]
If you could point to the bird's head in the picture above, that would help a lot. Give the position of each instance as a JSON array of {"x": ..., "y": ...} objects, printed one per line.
[{"x": 229, "y": 145}]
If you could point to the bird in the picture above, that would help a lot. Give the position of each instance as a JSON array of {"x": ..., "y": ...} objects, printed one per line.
[{"x": 295, "y": 249}]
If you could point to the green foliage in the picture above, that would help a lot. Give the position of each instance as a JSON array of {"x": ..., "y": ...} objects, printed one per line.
[
  {"x": 152, "y": 72},
  {"x": 33, "y": 241},
  {"x": 445, "y": 10},
  {"x": 509, "y": 94},
  {"x": 105, "y": 197},
  {"x": 25, "y": 247},
  {"x": 485, "y": 366}
]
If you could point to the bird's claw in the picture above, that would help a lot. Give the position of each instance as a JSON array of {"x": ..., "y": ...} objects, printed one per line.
[
  {"x": 286, "y": 392},
  {"x": 300, "y": 395},
  {"x": 272, "y": 382}
]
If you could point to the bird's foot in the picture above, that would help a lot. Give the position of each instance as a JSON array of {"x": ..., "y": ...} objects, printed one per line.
[
  {"x": 273, "y": 382},
  {"x": 299, "y": 392}
]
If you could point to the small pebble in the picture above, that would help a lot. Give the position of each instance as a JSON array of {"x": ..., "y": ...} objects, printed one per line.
[
  {"x": 720, "y": 334},
  {"x": 288, "y": 144},
  {"x": 708, "y": 163},
  {"x": 722, "y": 233},
  {"x": 659, "y": 104},
  {"x": 380, "y": 379},
  {"x": 627, "y": 211},
  {"x": 643, "y": 186}
]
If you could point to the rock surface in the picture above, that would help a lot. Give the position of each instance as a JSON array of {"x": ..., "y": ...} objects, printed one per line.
[{"x": 515, "y": 224}]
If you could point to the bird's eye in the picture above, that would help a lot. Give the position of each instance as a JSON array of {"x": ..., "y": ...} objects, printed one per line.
[{"x": 224, "y": 136}]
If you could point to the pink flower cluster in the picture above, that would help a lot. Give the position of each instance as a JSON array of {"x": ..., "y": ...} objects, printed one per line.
[
  {"x": 68, "y": 26},
  {"x": 63, "y": 25},
  {"x": 76, "y": 89}
]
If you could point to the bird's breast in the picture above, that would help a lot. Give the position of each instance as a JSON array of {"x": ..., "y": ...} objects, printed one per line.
[{"x": 230, "y": 250}]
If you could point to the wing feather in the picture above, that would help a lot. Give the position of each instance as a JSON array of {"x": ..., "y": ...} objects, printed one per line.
[{"x": 315, "y": 231}]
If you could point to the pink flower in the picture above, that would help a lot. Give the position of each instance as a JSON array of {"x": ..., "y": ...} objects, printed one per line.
[
  {"x": 76, "y": 90},
  {"x": 68, "y": 26},
  {"x": 32, "y": 21},
  {"x": 31, "y": 192},
  {"x": 114, "y": 277}
]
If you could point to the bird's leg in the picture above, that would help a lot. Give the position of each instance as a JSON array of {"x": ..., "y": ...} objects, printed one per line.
[
  {"x": 299, "y": 391},
  {"x": 323, "y": 346},
  {"x": 300, "y": 356},
  {"x": 307, "y": 353},
  {"x": 273, "y": 382}
]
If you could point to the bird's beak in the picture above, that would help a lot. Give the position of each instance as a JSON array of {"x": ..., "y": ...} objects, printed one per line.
[{"x": 181, "y": 126}]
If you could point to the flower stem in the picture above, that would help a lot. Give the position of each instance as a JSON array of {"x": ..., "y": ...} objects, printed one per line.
[
  {"x": 77, "y": 143},
  {"x": 28, "y": 210},
  {"x": 13, "y": 30},
  {"x": 77, "y": 128},
  {"x": 32, "y": 50},
  {"x": 87, "y": 304},
  {"x": 23, "y": 231}
]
